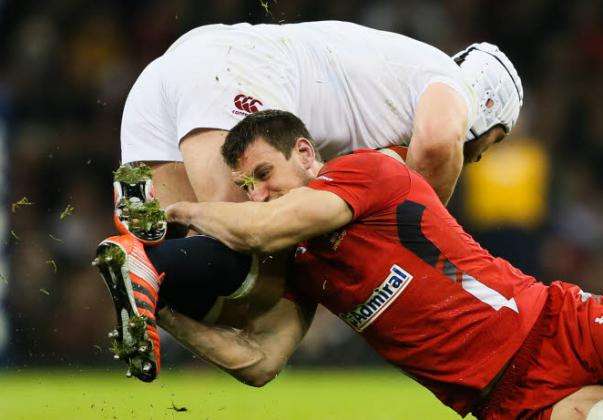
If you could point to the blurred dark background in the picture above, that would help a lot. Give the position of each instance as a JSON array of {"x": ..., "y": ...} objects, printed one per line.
[{"x": 67, "y": 66}]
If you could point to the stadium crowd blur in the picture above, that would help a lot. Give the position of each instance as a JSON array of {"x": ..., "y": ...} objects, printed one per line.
[{"x": 67, "y": 67}]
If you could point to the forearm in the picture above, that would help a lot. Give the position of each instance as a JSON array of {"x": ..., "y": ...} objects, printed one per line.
[
  {"x": 240, "y": 226},
  {"x": 441, "y": 168},
  {"x": 261, "y": 227},
  {"x": 230, "y": 349}
]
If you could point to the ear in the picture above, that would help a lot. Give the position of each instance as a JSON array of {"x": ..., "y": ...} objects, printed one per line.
[{"x": 305, "y": 152}]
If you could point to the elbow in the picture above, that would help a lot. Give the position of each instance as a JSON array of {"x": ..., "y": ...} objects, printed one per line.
[
  {"x": 257, "y": 378},
  {"x": 438, "y": 151},
  {"x": 259, "y": 381},
  {"x": 431, "y": 143},
  {"x": 435, "y": 155}
]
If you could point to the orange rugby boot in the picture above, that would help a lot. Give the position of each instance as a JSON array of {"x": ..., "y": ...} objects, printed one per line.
[
  {"x": 136, "y": 210},
  {"x": 134, "y": 285}
]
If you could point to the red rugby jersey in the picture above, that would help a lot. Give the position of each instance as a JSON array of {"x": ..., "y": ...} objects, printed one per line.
[{"x": 406, "y": 276}]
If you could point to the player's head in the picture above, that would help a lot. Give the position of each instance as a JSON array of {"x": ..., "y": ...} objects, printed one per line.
[
  {"x": 498, "y": 91},
  {"x": 270, "y": 152}
]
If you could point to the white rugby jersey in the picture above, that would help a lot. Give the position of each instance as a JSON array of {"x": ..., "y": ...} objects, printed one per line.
[{"x": 352, "y": 86}]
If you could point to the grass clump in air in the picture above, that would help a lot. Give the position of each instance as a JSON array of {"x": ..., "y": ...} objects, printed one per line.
[
  {"x": 22, "y": 202},
  {"x": 68, "y": 211},
  {"x": 132, "y": 174},
  {"x": 142, "y": 217}
]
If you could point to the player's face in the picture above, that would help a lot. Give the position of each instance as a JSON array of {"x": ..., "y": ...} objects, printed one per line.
[
  {"x": 265, "y": 174},
  {"x": 474, "y": 150}
]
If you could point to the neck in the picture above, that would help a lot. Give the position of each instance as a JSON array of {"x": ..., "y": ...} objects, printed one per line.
[{"x": 315, "y": 168}]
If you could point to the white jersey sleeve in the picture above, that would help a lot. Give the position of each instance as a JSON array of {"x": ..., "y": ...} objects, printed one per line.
[
  {"x": 459, "y": 86},
  {"x": 420, "y": 65},
  {"x": 360, "y": 87}
]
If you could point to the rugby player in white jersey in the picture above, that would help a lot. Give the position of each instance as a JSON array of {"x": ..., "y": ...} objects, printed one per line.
[{"x": 355, "y": 87}]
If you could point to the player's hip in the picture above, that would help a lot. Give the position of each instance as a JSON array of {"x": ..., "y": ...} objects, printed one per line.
[{"x": 560, "y": 356}]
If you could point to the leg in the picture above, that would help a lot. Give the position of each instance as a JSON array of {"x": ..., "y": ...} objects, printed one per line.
[
  {"x": 578, "y": 406},
  {"x": 133, "y": 280},
  {"x": 171, "y": 183},
  {"x": 209, "y": 175},
  {"x": 205, "y": 176},
  {"x": 198, "y": 269},
  {"x": 211, "y": 180},
  {"x": 140, "y": 190}
]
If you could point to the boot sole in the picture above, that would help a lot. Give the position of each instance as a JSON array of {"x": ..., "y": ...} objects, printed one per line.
[
  {"x": 130, "y": 339},
  {"x": 136, "y": 210}
]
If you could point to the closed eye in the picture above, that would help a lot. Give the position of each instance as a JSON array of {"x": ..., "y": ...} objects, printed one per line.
[{"x": 262, "y": 172}]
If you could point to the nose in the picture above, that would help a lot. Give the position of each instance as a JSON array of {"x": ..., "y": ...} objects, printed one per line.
[{"x": 259, "y": 193}]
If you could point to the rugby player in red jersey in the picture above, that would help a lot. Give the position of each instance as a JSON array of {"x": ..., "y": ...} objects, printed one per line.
[
  {"x": 355, "y": 87},
  {"x": 375, "y": 246}
]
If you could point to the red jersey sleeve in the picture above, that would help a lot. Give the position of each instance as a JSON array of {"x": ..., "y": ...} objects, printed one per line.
[{"x": 367, "y": 180}]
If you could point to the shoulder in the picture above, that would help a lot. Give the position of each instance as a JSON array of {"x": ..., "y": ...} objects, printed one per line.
[{"x": 367, "y": 161}]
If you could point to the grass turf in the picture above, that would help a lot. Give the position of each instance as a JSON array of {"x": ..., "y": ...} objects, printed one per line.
[{"x": 210, "y": 395}]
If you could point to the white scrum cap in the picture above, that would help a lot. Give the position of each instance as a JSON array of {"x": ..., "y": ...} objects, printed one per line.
[{"x": 496, "y": 84}]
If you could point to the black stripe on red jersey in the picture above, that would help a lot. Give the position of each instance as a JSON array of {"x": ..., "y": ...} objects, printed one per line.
[{"x": 409, "y": 215}]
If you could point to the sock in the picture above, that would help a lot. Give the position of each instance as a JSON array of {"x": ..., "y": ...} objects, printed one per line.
[{"x": 198, "y": 269}]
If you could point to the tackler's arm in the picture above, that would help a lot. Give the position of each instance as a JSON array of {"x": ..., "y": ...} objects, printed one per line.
[{"x": 254, "y": 355}]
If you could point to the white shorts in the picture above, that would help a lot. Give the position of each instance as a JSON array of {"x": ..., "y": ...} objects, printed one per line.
[{"x": 209, "y": 78}]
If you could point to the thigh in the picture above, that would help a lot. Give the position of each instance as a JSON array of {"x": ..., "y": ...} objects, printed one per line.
[
  {"x": 578, "y": 405},
  {"x": 203, "y": 176},
  {"x": 209, "y": 175},
  {"x": 171, "y": 183}
]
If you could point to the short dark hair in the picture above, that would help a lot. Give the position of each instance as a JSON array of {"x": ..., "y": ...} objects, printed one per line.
[{"x": 278, "y": 128}]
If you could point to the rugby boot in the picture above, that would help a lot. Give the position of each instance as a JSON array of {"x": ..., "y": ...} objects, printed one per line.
[
  {"x": 136, "y": 210},
  {"x": 134, "y": 286}
]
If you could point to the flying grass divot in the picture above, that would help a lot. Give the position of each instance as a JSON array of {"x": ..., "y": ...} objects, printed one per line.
[{"x": 132, "y": 174}]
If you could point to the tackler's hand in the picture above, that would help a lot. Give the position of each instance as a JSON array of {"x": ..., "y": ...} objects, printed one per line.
[{"x": 181, "y": 216}]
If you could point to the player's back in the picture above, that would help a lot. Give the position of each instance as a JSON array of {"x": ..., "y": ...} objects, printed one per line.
[
  {"x": 418, "y": 288},
  {"x": 360, "y": 86}
]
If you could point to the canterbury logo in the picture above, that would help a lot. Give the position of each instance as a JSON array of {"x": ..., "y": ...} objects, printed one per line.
[{"x": 247, "y": 104}]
